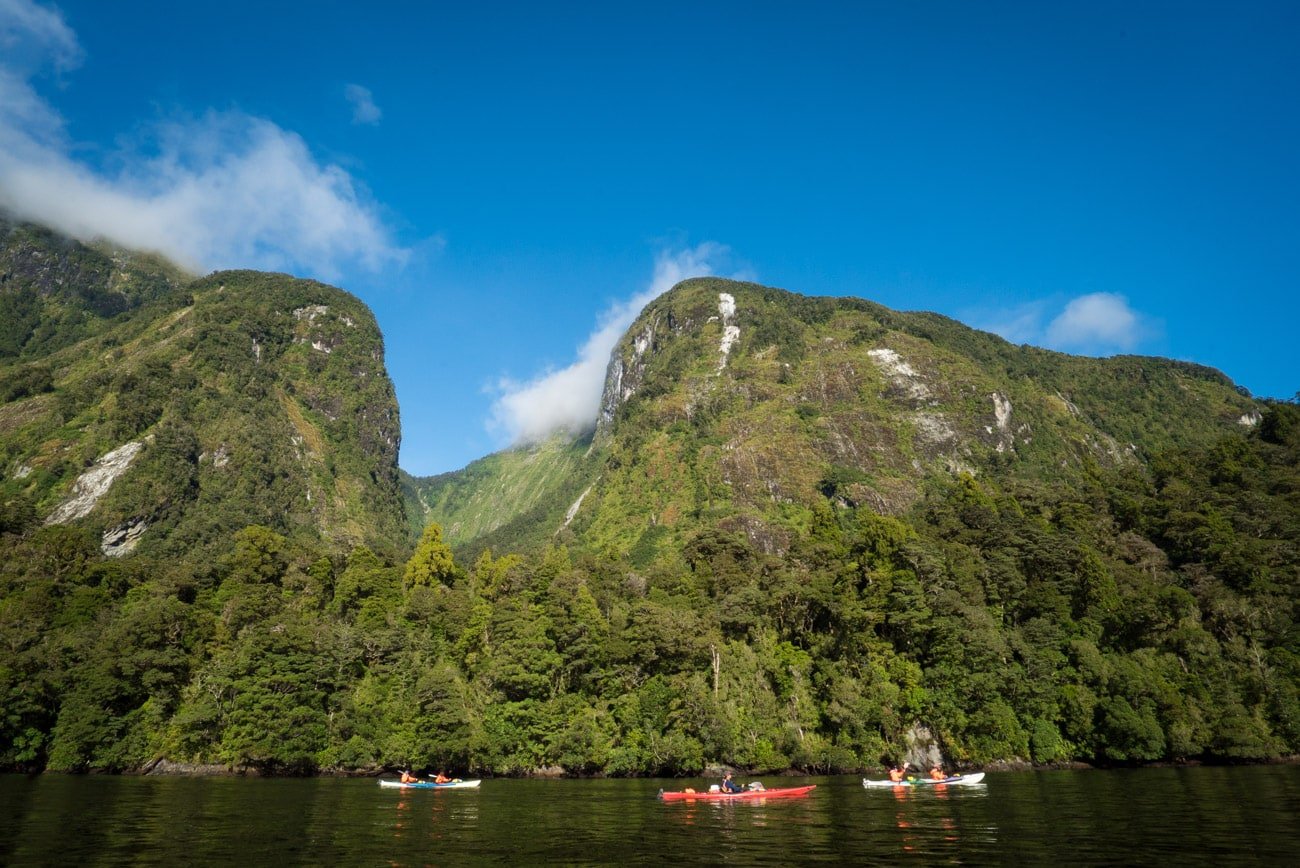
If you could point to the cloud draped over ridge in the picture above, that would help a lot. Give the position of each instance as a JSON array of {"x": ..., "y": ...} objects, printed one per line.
[
  {"x": 221, "y": 189},
  {"x": 1101, "y": 319},
  {"x": 1099, "y": 323},
  {"x": 569, "y": 399}
]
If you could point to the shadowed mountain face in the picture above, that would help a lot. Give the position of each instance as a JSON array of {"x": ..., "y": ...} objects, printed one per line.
[
  {"x": 741, "y": 408},
  {"x": 54, "y": 290},
  {"x": 162, "y": 413}
]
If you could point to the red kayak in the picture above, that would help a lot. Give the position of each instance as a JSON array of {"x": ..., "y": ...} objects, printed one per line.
[{"x": 779, "y": 792}]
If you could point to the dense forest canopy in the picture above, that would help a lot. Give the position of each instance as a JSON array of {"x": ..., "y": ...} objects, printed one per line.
[{"x": 1149, "y": 616}]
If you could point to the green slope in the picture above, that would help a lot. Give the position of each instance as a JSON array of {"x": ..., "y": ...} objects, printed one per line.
[
  {"x": 820, "y": 398},
  {"x": 511, "y": 500},
  {"x": 54, "y": 290},
  {"x": 240, "y": 398}
]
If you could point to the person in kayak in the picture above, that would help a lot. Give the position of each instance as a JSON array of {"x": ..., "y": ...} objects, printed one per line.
[
  {"x": 730, "y": 786},
  {"x": 898, "y": 774},
  {"x": 408, "y": 778},
  {"x": 441, "y": 779},
  {"x": 937, "y": 774}
]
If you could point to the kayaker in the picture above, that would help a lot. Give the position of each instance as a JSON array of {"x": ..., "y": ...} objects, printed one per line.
[
  {"x": 898, "y": 774},
  {"x": 441, "y": 779},
  {"x": 730, "y": 786},
  {"x": 408, "y": 778},
  {"x": 936, "y": 773}
]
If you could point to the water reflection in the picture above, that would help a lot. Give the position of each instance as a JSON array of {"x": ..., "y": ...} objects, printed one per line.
[
  {"x": 1176, "y": 816},
  {"x": 940, "y": 821}
]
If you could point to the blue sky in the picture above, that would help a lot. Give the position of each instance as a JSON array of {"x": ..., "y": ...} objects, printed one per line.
[{"x": 506, "y": 184}]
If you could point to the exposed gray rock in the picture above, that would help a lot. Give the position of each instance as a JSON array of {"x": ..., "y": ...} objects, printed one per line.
[
  {"x": 95, "y": 482},
  {"x": 1002, "y": 420},
  {"x": 730, "y": 331},
  {"x": 167, "y": 767},
  {"x": 922, "y": 747},
  {"x": 577, "y": 504},
  {"x": 121, "y": 540},
  {"x": 310, "y": 312},
  {"x": 902, "y": 376}
]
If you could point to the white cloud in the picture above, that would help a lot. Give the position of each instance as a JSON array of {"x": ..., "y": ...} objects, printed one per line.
[
  {"x": 1096, "y": 324},
  {"x": 364, "y": 110},
  {"x": 223, "y": 189},
  {"x": 569, "y": 399},
  {"x": 1102, "y": 320}
]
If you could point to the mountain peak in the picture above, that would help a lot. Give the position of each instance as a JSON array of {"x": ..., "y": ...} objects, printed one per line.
[
  {"x": 163, "y": 413},
  {"x": 735, "y": 403}
]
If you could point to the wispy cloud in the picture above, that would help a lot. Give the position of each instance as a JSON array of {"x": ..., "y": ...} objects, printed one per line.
[
  {"x": 32, "y": 35},
  {"x": 215, "y": 190},
  {"x": 364, "y": 110},
  {"x": 1100, "y": 323},
  {"x": 569, "y": 399}
]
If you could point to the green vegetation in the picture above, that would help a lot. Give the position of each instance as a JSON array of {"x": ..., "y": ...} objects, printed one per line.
[
  {"x": 506, "y": 500},
  {"x": 782, "y": 563},
  {"x": 253, "y": 399},
  {"x": 55, "y": 291},
  {"x": 1145, "y": 616}
]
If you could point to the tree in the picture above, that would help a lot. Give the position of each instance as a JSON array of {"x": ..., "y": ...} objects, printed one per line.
[{"x": 432, "y": 563}]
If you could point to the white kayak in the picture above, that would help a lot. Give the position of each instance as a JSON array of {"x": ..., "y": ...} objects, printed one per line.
[
  {"x": 955, "y": 780},
  {"x": 430, "y": 785}
]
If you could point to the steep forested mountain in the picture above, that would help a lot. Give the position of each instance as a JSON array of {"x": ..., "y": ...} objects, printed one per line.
[
  {"x": 803, "y": 525},
  {"x": 801, "y": 528},
  {"x": 742, "y": 408},
  {"x": 165, "y": 413},
  {"x": 151, "y": 424}
]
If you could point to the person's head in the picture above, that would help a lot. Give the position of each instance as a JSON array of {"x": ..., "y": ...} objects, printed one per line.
[{"x": 727, "y": 776}]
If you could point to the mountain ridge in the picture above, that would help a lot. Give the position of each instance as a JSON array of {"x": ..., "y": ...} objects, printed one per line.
[
  {"x": 880, "y": 398},
  {"x": 164, "y": 411}
]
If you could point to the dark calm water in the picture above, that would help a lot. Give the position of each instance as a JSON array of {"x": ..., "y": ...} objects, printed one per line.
[{"x": 1193, "y": 816}]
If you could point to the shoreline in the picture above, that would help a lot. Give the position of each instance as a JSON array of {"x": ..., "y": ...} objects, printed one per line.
[{"x": 168, "y": 768}]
